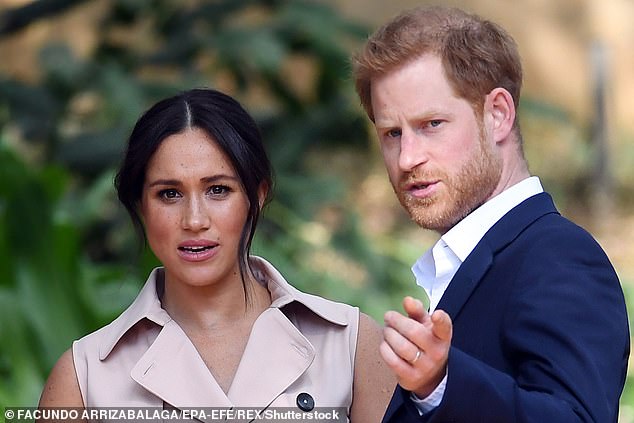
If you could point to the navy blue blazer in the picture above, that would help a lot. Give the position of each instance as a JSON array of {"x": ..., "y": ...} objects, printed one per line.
[{"x": 540, "y": 330}]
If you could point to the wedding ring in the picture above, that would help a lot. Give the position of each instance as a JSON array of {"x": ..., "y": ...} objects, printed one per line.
[{"x": 415, "y": 358}]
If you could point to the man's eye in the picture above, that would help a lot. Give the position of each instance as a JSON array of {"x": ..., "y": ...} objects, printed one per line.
[
  {"x": 393, "y": 133},
  {"x": 435, "y": 123}
]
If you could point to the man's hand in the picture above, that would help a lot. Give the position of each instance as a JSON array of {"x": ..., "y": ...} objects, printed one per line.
[{"x": 416, "y": 346}]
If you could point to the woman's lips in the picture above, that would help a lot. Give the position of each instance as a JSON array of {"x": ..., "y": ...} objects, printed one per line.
[{"x": 197, "y": 250}]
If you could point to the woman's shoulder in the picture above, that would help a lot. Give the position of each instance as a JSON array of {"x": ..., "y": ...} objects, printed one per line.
[{"x": 62, "y": 387}]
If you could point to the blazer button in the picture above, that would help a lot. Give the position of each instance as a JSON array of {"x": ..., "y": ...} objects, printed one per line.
[{"x": 305, "y": 402}]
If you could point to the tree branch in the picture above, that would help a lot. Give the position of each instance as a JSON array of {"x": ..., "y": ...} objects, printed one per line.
[{"x": 13, "y": 20}]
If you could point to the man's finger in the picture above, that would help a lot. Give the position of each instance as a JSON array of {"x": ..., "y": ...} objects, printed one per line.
[
  {"x": 399, "y": 366},
  {"x": 400, "y": 345},
  {"x": 442, "y": 326},
  {"x": 410, "y": 329},
  {"x": 415, "y": 309}
]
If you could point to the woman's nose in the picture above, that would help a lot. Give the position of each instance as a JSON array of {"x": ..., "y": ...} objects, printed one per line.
[{"x": 196, "y": 216}]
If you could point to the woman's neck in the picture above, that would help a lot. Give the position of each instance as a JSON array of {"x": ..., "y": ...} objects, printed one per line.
[{"x": 215, "y": 306}]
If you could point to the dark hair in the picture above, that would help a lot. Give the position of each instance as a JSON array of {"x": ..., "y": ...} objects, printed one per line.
[
  {"x": 226, "y": 122},
  {"x": 477, "y": 55}
]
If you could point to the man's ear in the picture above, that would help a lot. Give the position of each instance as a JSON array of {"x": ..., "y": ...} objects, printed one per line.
[{"x": 499, "y": 110}]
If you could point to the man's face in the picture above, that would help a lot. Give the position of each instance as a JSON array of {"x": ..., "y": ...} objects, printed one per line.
[{"x": 438, "y": 156}]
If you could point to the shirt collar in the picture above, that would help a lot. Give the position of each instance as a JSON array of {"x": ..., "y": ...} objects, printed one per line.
[
  {"x": 467, "y": 233},
  {"x": 435, "y": 268},
  {"x": 147, "y": 304}
]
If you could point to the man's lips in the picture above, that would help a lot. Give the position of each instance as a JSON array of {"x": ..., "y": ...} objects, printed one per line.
[{"x": 420, "y": 188}]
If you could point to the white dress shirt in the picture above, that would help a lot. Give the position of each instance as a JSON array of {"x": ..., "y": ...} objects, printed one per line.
[{"x": 438, "y": 265}]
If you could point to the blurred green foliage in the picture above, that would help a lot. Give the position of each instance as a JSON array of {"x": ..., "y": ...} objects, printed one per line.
[
  {"x": 69, "y": 259},
  {"x": 69, "y": 262}
]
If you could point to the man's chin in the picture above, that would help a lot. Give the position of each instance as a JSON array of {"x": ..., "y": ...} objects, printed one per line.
[
  {"x": 427, "y": 220},
  {"x": 434, "y": 220},
  {"x": 433, "y": 226}
]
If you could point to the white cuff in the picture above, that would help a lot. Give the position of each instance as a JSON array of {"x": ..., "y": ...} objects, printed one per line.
[{"x": 427, "y": 404}]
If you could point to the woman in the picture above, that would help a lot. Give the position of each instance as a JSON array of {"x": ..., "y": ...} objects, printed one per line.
[{"x": 215, "y": 327}]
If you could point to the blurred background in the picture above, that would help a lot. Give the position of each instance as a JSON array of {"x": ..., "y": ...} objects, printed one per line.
[{"x": 76, "y": 74}]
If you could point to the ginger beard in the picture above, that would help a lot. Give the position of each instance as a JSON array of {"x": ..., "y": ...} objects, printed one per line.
[{"x": 462, "y": 192}]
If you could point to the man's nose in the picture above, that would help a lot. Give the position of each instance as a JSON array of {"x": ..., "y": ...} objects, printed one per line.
[{"x": 413, "y": 151}]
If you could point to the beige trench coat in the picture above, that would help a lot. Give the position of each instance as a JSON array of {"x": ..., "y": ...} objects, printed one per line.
[{"x": 301, "y": 344}]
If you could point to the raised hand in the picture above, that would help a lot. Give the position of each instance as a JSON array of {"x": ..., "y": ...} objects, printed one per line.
[{"x": 416, "y": 346}]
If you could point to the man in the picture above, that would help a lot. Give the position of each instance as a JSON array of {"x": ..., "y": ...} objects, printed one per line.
[{"x": 528, "y": 321}]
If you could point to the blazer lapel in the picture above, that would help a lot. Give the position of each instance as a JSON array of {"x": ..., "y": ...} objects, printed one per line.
[
  {"x": 481, "y": 258},
  {"x": 173, "y": 370},
  {"x": 276, "y": 355},
  {"x": 466, "y": 280}
]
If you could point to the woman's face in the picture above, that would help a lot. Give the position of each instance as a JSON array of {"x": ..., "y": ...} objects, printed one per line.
[{"x": 194, "y": 209}]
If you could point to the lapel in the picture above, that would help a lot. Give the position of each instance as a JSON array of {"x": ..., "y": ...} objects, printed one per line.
[
  {"x": 276, "y": 355},
  {"x": 499, "y": 236},
  {"x": 172, "y": 369}
]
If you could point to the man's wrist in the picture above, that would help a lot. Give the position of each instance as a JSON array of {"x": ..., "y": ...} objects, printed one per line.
[{"x": 431, "y": 401}]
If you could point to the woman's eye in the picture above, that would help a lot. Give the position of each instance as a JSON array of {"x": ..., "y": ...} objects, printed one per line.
[
  {"x": 219, "y": 189},
  {"x": 169, "y": 194}
]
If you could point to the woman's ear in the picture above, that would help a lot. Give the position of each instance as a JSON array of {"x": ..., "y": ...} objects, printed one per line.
[
  {"x": 499, "y": 110},
  {"x": 263, "y": 191}
]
